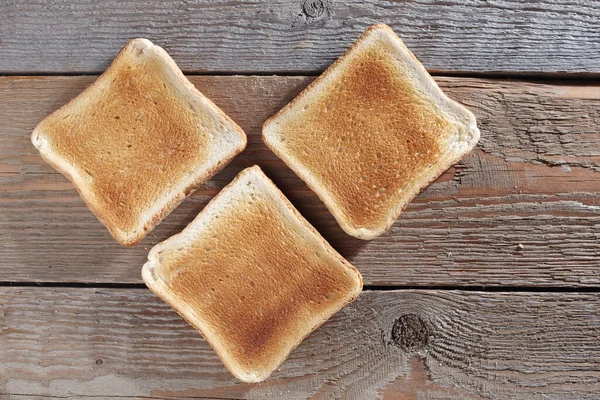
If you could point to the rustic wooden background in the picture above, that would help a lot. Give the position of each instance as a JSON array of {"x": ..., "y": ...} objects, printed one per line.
[{"x": 487, "y": 287}]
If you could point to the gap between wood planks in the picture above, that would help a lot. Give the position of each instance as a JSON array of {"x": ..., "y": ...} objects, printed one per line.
[
  {"x": 366, "y": 288},
  {"x": 530, "y": 77}
]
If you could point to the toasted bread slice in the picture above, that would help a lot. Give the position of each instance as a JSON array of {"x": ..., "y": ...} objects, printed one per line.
[
  {"x": 138, "y": 141},
  {"x": 371, "y": 132},
  {"x": 252, "y": 275}
]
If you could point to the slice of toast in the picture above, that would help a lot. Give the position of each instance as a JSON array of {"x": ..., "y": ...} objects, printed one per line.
[
  {"x": 252, "y": 275},
  {"x": 371, "y": 132},
  {"x": 138, "y": 141}
]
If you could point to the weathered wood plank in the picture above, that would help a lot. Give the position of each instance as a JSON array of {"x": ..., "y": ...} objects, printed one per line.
[
  {"x": 388, "y": 345},
  {"x": 533, "y": 181},
  {"x": 301, "y": 35}
]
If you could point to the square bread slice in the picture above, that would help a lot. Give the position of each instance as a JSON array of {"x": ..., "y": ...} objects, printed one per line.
[
  {"x": 371, "y": 132},
  {"x": 252, "y": 275},
  {"x": 138, "y": 141}
]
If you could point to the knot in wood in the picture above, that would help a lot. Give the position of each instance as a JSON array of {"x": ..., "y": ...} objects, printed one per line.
[
  {"x": 313, "y": 8},
  {"x": 410, "y": 333}
]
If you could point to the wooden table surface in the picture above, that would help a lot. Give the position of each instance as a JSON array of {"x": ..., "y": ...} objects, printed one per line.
[{"x": 487, "y": 287}]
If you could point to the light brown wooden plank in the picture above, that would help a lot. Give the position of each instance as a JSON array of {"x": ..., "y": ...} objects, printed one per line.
[
  {"x": 388, "y": 344},
  {"x": 539, "y": 36},
  {"x": 533, "y": 181}
]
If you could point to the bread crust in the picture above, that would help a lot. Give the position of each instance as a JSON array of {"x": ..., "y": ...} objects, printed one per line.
[
  {"x": 378, "y": 72},
  {"x": 138, "y": 141},
  {"x": 252, "y": 275}
]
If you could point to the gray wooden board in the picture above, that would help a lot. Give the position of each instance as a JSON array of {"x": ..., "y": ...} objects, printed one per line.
[
  {"x": 532, "y": 181},
  {"x": 539, "y": 36},
  {"x": 103, "y": 343}
]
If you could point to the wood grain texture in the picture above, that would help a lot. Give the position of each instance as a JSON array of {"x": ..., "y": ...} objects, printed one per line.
[
  {"x": 521, "y": 210},
  {"x": 387, "y": 345},
  {"x": 301, "y": 35}
]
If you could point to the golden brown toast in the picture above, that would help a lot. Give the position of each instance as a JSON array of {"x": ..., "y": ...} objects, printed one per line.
[
  {"x": 371, "y": 132},
  {"x": 252, "y": 275},
  {"x": 138, "y": 141}
]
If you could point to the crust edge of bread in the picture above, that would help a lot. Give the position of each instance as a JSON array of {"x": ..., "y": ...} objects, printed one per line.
[
  {"x": 158, "y": 286},
  {"x": 450, "y": 106},
  {"x": 80, "y": 181}
]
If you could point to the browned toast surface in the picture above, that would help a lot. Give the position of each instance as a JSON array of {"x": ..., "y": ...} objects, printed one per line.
[
  {"x": 371, "y": 132},
  {"x": 252, "y": 275},
  {"x": 138, "y": 140}
]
